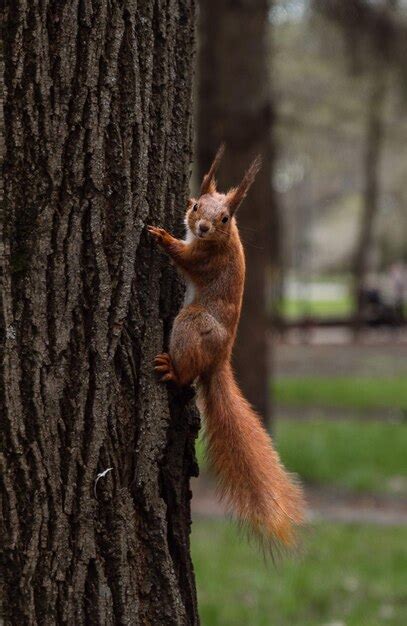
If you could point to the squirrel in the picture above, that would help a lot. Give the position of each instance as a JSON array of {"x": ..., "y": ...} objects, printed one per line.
[{"x": 251, "y": 479}]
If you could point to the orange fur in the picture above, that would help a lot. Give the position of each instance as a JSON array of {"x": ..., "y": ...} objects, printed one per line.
[
  {"x": 209, "y": 182},
  {"x": 251, "y": 478},
  {"x": 236, "y": 195}
]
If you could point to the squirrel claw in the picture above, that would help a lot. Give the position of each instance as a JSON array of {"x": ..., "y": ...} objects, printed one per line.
[
  {"x": 157, "y": 233},
  {"x": 163, "y": 365},
  {"x": 161, "y": 368},
  {"x": 162, "y": 358},
  {"x": 167, "y": 378}
]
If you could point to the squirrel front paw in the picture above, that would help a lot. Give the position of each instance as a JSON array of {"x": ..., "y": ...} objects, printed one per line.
[{"x": 159, "y": 235}]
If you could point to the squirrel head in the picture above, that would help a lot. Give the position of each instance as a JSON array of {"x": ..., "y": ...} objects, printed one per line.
[{"x": 210, "y": 216}]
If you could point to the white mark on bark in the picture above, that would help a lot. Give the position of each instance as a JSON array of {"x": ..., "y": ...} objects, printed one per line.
[{"x": 98, "y": 477}]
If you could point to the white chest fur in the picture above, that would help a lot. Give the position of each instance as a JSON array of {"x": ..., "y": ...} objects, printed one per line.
[{"x": 190, "y": 290}]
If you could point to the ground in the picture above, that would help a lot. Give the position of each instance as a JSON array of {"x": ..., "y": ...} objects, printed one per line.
[{"x": 341, "y": 424}]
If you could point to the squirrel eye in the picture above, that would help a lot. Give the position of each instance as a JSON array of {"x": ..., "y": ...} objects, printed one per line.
[
  {"x": 195, "y": 207},
  {"x": 224, "y": 219}
]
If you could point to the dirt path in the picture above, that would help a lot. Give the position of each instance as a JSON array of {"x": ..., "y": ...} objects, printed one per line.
[
  {"x": 391, "y": 415},
  {"x": 323, "y": 504},
  {"x": 359, "y": 359}
]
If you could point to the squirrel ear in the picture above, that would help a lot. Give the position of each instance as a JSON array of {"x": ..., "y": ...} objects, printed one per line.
[
  {"x": 236, "y": 195},
  {"x": 209, "y": 182}
]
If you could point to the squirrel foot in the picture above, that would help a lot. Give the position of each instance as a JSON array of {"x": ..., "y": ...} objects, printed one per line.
[{"x": 163, "y": 365}]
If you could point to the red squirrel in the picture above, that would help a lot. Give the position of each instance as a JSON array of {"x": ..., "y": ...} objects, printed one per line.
[{"x": 251, "y": 478}]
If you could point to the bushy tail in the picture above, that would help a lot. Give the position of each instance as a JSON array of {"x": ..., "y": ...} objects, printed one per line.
[{"x": 251, "y": 478}]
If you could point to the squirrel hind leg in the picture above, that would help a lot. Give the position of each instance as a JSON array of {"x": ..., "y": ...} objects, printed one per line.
[{"x": 196, "y": 339}]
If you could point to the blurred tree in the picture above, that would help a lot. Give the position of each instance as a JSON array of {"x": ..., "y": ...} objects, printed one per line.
[
  {"x": 371, "y": 194},
  {"x": 374, "y": 30},
  {"x": 97, "y": 129},
  {"x": 376, "y": 34},
  {"x": 235, "y": 106}
]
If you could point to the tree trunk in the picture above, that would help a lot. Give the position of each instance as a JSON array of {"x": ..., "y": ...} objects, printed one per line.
[
  {"x": 235, "y": 106},
  {"x": 371, "y": 193},
  {"x": 98, "y": 144}
]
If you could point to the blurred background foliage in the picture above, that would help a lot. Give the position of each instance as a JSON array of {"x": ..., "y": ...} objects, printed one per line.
[{"x": 322, "y": 351}]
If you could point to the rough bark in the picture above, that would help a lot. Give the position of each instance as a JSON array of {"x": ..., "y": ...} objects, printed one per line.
[
  {"x": 97, "y": 118},
  {"x": 235, "y": 105}
]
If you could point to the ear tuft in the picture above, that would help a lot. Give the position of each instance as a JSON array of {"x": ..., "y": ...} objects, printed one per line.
[
  {"x": 236, "y": 195},
  {"x": 209, "y": 181}
]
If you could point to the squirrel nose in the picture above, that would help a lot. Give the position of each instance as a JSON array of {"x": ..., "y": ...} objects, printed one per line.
[{"x": 203, "y": 227}]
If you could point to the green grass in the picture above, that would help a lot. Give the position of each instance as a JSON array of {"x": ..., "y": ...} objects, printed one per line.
[
  {"x": 356, "y": 455},
  {"x": 293, "y": 308},
  {"x": 362, "y": 456},
  {"x": 347, "y": 575},
  {"x": 355, "y": 393}
]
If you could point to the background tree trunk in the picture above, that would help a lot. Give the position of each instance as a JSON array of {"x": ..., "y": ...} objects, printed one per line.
[
  {"x": 97, "y": 118},
  {"x": 235, "y": 106},
  {"x": 371, "y": 192}
]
